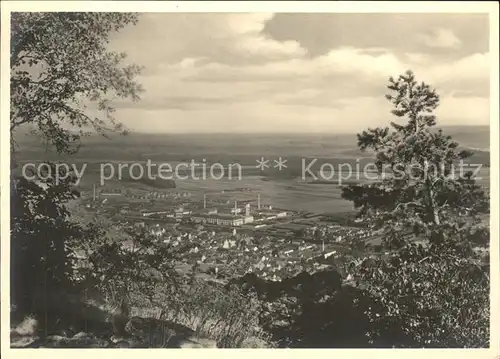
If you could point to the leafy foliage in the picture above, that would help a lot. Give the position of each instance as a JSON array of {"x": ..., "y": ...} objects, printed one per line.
[
  {"x": 313, "y": 310},
  {"x": 429, "y": 217},
  {"x": 129, "y": 272},
  {"x": 61, "y": 73},
  {"x": 61, "y": 69},
  {"x": 225, "y": 314},
  {"x": 40, "y": 232},
  {"x": 427, "y": 299}
]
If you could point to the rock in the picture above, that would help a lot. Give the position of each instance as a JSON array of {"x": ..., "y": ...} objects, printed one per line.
[
  {"x": 56, "y": 338},
  {"x": 55, "y": 341},
  {"x": 123, "y": 344},
  {"x": 206, "y": 343},
  {"x": 25, "y": 342},
  {"x": 191, "y": 342},
  {"x": 116, "y": 339},
  {"x": 254, "y": 342},
  {"x": 81, "y": 335},
  {"x": 188, "y": 343},
  {"x": 27, "y": 327},
  {"x": 154, "y": 333},
  {"x": 80, "y": 340}
]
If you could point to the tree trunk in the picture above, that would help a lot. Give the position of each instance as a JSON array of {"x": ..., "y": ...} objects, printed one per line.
[{"x": 433, "y": 207}]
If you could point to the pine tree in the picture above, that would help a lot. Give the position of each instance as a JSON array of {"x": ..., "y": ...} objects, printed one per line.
[{"x": 427, "y": 210}]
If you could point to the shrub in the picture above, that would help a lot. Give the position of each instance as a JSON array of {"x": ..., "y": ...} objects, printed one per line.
[{"x": 225, "y": 314}]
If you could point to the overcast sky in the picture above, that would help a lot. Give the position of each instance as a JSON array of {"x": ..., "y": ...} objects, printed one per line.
[{"x": 299, "y": 72}]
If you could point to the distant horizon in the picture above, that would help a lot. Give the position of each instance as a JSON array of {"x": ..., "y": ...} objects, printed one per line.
[
  {"x": 135, "y": 131},
  {"x": 288, "y": 133}
]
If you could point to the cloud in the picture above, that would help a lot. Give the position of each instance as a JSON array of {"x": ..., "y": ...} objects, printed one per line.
[
  {"x": 353, "y": 70},
  {"x": 440, "y": 38},
  {"x": 164, "y": 38},
  {"x": 248, "y": 39},
  {"x": 321, "y": 32},
  {"x": 470, "y": 74},
  {"x": 227, "y": 72},
  {"x": 339, "y": 61}
]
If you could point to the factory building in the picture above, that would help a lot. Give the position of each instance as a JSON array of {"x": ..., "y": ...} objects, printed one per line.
[
  {"x": 266, "y": 216},
  {"x": 219, "y": 219},
  {"x": 232, "y": 220},
  {"x": 181, "y": 212}
]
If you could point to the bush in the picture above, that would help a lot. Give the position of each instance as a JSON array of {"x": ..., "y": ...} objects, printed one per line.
[
  {"x": 427, "y": 300},
  {"x": 224, "y": 314}
]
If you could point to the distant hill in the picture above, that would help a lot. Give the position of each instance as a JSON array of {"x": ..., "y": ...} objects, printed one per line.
[
  {"x": 241, "y": 148},
  {"x": 473, "y": 137}
]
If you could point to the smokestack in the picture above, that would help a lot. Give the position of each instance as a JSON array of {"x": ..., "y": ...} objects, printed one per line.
[
  {"x": 235, "y": 206},
  {"x": 204, "y": 201},
  {"x": 93, "y": 193},
  {"x": 258, "y": 201}
]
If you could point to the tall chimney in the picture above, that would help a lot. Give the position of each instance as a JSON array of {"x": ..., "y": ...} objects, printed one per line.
[
  {"x": 258, "y": 201},
  {"x": 93, "y": 193},
  {"x": 204, "y": 201}
]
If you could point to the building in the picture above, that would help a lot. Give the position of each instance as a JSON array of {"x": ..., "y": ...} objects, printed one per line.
[
  {"x": 110, "y": 194},
  {"x": 266, "y": 216},
  {"x": 234, "y": 218},
  {"x": 154, "y": 213},
  {"x": 219, "y": 219},
  {"x": 248, "y": 219},
  {"x": 236, "y": 209},
  {"x": 181, "y": 212}
]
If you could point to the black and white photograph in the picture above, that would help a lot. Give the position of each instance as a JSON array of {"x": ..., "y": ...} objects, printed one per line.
[{"x": 180, "y": 177}]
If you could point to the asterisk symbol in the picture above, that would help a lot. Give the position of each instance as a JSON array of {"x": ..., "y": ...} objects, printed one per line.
[
  {"x": 262, "y": 163},
  {"x": 280, "y": 163}
]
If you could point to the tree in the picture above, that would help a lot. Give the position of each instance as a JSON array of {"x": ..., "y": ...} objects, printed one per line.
[
  {"x": 428, "y": 214},
  {"x": 139, "y": 267},
  {"x": 60, "y": 66},
  {"x": 40, "y": 232}
]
